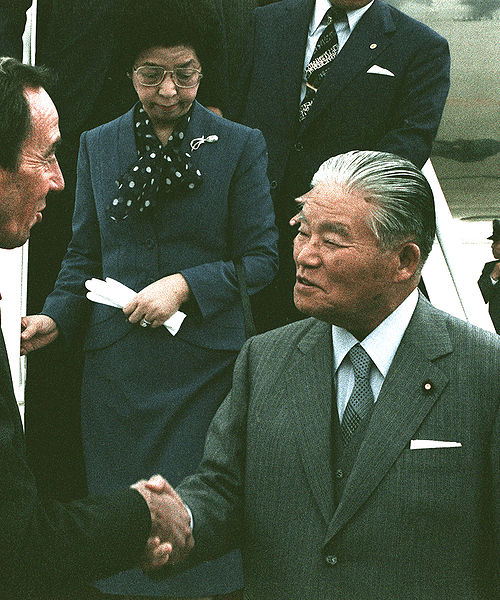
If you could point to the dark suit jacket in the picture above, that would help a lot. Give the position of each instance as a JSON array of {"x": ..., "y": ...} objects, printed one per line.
[
  {"x": 411, "y": 524},
  {"x": 352, "y": 109},
  {"x": 46, "y": 545},
  {"x": 228, "y": 217},
  {"x": 491, "y": 293}
]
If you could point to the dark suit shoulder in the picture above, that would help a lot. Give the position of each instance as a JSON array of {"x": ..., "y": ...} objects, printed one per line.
[{"x": 410, "y": 26}]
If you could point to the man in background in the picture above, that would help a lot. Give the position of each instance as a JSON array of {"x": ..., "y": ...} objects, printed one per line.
[
  {"x": 47, "y": 546},
  {"x": 323, "y": 77},
  {"x": 488, "y": 282}
]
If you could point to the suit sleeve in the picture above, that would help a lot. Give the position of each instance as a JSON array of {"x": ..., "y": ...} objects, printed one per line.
[
  {"x": 67, "y": 304},
  {"x": 12, "y": 24},
  {"x": 252, "y": 235},
  {"x": 421, "y": 102},
  {"x": 45, "y": 545},
  {"x": 215, "y": 493}
]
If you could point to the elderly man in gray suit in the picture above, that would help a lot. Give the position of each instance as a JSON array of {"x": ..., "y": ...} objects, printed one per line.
[{"x": 357, "y": 455}]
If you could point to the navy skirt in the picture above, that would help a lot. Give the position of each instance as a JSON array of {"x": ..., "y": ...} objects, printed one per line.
[{"x": 147, "y": 402}]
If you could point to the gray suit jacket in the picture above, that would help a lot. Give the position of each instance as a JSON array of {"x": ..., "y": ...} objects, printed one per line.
[{"x": 411, "y": 524}]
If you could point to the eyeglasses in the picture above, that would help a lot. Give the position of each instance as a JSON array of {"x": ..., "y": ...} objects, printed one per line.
[{"x": 150, "y": 75}]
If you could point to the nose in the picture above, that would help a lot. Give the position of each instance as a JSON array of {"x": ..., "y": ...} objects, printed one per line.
[
  {"x": 167, "y": 86},
  {"x": 57, "y": 179},
  {"x": 306, "y": 252}
]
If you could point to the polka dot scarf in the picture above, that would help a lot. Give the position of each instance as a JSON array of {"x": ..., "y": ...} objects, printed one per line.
[{"x": 159, "y": 170}]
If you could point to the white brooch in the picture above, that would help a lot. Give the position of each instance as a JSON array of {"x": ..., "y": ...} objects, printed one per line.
[{"x": 197, "y": 142}]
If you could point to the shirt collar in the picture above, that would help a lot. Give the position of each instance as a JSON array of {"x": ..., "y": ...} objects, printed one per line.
[
  {"x": 382, "y": 343},
  {"x": 321, "y": 6}
]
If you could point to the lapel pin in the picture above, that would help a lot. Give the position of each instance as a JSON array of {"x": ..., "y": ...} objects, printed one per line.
[
  {"x": 373, "y": 46},
  {"x": 427, "y": 387},
  {"x": 197, "y": 142}
]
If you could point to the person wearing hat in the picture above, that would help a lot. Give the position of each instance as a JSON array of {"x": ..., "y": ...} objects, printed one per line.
[{"x": 488, "y": 282}]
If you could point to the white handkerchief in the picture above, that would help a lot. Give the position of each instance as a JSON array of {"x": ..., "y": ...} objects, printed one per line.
[
  {"x": 380, "y": 71},
  {"x": 114, "y": 293},
  {"x": 424, "y": 444}
]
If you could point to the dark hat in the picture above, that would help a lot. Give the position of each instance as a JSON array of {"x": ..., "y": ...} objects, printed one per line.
[{"x": 496, "y": 231}]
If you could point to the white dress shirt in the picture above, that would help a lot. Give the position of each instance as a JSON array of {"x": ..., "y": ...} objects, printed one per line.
[
  {"x": 343, "y": 29},
  {"x": 380, "y": 345}
]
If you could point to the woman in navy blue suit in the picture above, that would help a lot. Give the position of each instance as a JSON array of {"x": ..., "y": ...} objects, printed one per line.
[{"x": 169, "y": 196}]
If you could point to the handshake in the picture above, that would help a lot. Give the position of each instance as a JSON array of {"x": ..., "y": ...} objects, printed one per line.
[{"x": 171, "y": 538}]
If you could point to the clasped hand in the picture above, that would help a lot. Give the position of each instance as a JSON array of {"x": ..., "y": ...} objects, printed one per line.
[
  {"x": 159, "y": 301},
  {"x": 171, "y": 537}
]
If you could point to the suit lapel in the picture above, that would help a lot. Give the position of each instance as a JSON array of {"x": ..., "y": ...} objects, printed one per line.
[
  {"x": 7, "y": 390},
  {"x": 292, "y": 31},
  {"x": 309, "y": 390},
  {"x": 370, "y": 38},
  {"x": 401, "y": 407}
]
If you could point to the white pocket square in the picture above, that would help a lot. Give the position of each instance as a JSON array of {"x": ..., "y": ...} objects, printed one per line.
[
  {"x": 380, "y": 71},
  {"x": 424, "y": 444}
]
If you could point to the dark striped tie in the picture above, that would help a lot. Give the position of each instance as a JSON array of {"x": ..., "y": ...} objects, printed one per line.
[
  {"x": 362, "y": 396},
  {"x": 325, "y": 51}
]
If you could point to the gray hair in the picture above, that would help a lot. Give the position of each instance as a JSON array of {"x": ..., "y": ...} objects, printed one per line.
[{"x": 403, "y": 199}]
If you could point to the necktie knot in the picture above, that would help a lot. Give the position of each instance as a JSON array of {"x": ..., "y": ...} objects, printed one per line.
[
  {"x": 333, "y": 15},
  {"x": 361, "y": 362}
]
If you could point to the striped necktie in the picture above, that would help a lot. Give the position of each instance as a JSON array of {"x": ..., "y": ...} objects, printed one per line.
[{"x": 325, "y": 51}]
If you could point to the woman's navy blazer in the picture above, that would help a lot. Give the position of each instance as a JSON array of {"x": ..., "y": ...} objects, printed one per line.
[{"x": 197, "y": 233}]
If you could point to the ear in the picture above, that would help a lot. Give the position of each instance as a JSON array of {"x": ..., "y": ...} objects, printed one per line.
[{"x": 408, "y": 261}]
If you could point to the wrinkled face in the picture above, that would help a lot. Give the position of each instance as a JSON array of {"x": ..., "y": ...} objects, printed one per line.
[
  {"x": 343, "y": 276},
  {"x": 495, "y": 248},
  {"x": 166, "y": 103},
  {"x": 349, "y": 4},
  {"x": 23, "y": 192}
]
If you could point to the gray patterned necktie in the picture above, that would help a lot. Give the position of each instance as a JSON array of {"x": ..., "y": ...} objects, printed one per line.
[
  {"x": 325, "y": 51},
  {"x": 362, "y": 396}
]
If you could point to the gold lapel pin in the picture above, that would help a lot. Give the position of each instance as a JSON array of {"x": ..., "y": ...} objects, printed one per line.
[
  {"x": 373, "y": 46},
  {"x": 427, "y": 387}
]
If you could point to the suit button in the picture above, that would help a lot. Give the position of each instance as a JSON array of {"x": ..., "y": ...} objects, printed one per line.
[
  {"x": 150, "y": 243},
  {"x": 331, "y": 560},
  {"x": 339, "y": 474},
  {"x": 298, "y": 146},
  {"x": 273, "y": 184}
]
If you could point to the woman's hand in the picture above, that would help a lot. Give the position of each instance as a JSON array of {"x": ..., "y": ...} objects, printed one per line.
[
  {"x": 36, "y": 332},
  {"x": 159, "y": 301}
]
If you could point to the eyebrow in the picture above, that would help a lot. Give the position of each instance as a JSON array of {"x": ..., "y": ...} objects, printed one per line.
[
  {"x": 179, "y": 66},
  {"x": 329, "y": 226},
  {"x": 53, "y": 147}
]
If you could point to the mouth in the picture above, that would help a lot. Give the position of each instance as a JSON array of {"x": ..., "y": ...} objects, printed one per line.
[{"x": 303, "y": 282}]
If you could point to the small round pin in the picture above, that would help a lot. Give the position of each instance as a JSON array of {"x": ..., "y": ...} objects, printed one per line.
[
  {"x": 427, "y": 387},
  {"x": 373, "y": 46}
]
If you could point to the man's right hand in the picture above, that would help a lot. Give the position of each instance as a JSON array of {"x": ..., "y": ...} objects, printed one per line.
[
  {"x": 36, "y": 332},
  {"x": 171, "y": 521}
]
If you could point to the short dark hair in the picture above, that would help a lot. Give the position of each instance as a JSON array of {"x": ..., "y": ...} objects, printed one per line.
[
  {"x": 400, "y": 193},
  {"x": 168, "y": 23},
  {"x": 15, "y": 112}
]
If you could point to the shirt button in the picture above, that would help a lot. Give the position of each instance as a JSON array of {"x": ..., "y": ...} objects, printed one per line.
[
  {"x": 339, "y": 474},
  {"x": 150, "y": 243},
  {"x": 273, "y": 184},
  {"x": 331, "y": 560},
  {"x": 298, "y": 146}
]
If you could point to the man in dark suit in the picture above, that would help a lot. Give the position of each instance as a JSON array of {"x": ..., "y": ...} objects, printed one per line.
[
  {"x": 384, "y": 89},
  {"x": 82, "y": 43},
  {"x": 386, "y": 484},
  {"x": 46, "y": 546},
  {"x": 488, "y": 282}
]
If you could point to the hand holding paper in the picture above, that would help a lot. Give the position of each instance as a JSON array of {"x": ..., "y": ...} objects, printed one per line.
[{"x": 114, "y": 293}]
